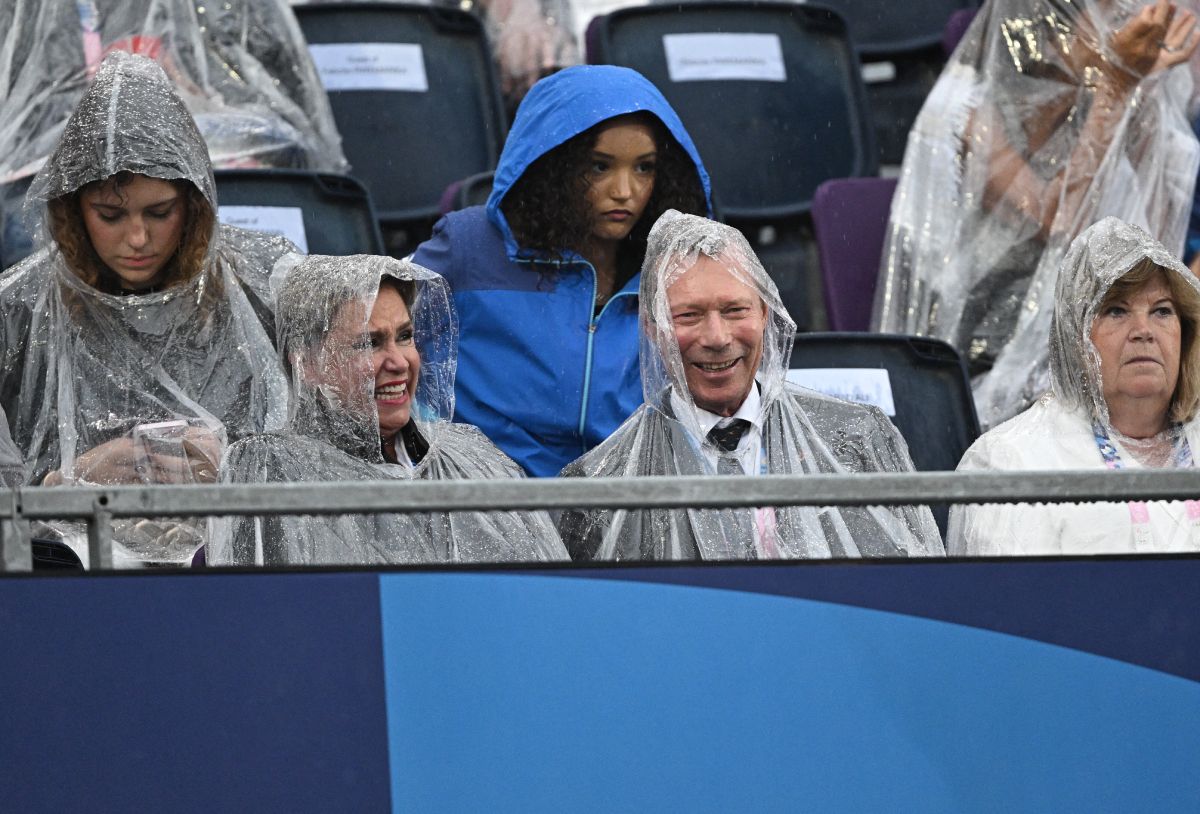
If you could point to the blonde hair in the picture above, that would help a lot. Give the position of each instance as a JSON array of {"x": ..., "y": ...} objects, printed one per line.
[
  {"x": 1187, "y": 305},
  {"x": 70, "y": 233}
]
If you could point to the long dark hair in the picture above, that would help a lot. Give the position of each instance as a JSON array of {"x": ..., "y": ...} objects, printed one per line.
[{"x": 547, "y": 207}]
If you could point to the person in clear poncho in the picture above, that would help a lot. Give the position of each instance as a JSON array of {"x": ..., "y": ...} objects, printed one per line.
[
  {"x": 370, "y": 344},
  {"x": 137, "y": 339},
  {"x": 241, "y": 66},
  {"x": 1049, "y": 116},
  {"x": 715, "y": 347},
  {"x": 1125, "y": 373}
]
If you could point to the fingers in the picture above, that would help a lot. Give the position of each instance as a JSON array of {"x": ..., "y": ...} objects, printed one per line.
[{"x": 1160, "y": 13}]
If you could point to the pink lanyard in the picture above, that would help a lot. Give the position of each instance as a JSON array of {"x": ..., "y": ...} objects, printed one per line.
[{"x": 1139, "y": 512}]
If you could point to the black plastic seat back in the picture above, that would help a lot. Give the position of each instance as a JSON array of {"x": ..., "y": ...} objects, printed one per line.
[
  {"x": 889, "y": 28},
  {"x": 407, "y": 146},
  {"x": 336, "y": 209},
  {"x": 900, "y": 45},
  {"x": 935, "y": 411},
  {"x": 767, "y": 144}
]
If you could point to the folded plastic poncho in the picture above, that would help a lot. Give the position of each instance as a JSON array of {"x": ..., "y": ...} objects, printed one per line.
[
  {"x": 801, "y": 432},
  {"x": 165, "y": 376},
  {"x": 1070, "y": 427},
  {"x": 333, "y": 432},
  {"x": 241, "y": 67},
  {"x": 1036, "y": 129}
]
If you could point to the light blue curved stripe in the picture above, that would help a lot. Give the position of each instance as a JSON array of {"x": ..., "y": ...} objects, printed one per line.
[{"x": 522, "y": 693}]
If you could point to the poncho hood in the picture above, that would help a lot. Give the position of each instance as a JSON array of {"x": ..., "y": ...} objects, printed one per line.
[{"x": 1097, "y": 259}]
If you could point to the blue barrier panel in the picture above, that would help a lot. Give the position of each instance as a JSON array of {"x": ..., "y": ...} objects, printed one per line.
[
  {"x": 611, "y": 695},
  {"x": 929, "y": 686},
  {"x": 188, "y": 693}
]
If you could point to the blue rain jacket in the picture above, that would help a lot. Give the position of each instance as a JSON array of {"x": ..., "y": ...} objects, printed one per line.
[{"x": 542, "y": 376}]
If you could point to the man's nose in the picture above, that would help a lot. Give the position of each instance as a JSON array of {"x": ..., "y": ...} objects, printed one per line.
[{"x": 714, "y": 332}]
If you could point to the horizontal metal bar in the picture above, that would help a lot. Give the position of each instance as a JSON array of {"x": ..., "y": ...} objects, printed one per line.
[{"x": 629, "y": 493}]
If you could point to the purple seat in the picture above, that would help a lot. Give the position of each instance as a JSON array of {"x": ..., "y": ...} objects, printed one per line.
[
  {"x": 591, "y": 39},
  {"x": 956, "y": 27},
  {"x": 850, "y": 218}
]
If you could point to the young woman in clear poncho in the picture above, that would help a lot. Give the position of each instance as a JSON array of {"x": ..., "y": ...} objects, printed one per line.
[
  {"x": 138, "y": 337},
  {"x": 545, "y": 275},
  {"x": 738, "y": 324},
  {"x": 1049, "y": 116},
  {"x": 1124, "y": 367},
  {"x": 370, "y": 344}
]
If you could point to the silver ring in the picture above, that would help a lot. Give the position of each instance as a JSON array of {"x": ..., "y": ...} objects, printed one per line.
[{"x": 1168, "y": 48}]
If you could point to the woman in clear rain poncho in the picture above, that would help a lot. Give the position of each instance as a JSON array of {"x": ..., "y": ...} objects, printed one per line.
[
  {"x": 1049, "y": 116},
  {"x": 371, "y": 345},
  {"x": 1125, "y": 373},
  {"x": 706, "y": 300},
  {"x": 137, "y": 338},
  {"x": 241, "y": 67}
]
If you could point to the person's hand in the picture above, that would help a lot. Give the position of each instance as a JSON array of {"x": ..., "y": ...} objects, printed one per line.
[
  {"x": 114, "y": 462},
  {"x": 1158, "y": 37},
  {"x": 194, "y": 458},
  {"x": 1180, "y": 41}
]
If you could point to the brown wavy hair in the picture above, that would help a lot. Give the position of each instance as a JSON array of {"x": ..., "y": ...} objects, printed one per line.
[
  {"x": 69, "y": 231},
  {"x": 547, "y": 207}
]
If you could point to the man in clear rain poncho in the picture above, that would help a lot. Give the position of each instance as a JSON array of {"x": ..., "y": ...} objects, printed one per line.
[
  {"x": 1049, "y": 116},
  {"x": 137, "y": 338},
  {"x": 371, "y": 346},
  {"x": 241, "y": 67},
  {"x": 1124, "y": 366},
  {"x": 716, "y": 342}
]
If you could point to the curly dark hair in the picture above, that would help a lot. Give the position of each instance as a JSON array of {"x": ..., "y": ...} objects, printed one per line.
[{"x": 547, "y": 207}]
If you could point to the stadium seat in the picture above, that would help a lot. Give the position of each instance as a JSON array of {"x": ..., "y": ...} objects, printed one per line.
[
  {"x": 850, "y": 217},
  {"x": 900, "y": 45},
  {"x": 925, "y": 381},
  {"x": 769, "y": 91},
  {"x": 15, "y": 241},
  {"x": 473, "y": 191},
  {"x": 322, "y": 213},
  {"x": 415, "y": 97},
  {"x": 956, "y": 27}
]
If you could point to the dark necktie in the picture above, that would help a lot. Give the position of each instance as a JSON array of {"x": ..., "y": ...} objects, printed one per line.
[
  {"x": 728, "y": 437},
  {"x": 736, "y": 524}
]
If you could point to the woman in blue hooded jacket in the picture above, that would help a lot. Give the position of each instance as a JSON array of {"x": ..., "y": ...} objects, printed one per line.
[{"x": 545, "y": 276}]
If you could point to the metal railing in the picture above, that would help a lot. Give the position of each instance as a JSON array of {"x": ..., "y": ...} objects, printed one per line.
[{"x": 99, "y": 506}]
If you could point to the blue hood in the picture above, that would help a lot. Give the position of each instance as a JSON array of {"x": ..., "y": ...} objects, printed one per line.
[{"x": 566, "y": 104}]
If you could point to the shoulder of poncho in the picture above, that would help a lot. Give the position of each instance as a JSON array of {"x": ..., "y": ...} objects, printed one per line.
[
  {"x": 820, "y": 405},
  {"x": 1023, "y": 441},
  {"x": 273, "y": 457},
  {"x": 26, "y": 280},
  {"x": 466, "y": 444},
  {"x": 251, "y": 254},
  {"x": 613, "y": 456}
]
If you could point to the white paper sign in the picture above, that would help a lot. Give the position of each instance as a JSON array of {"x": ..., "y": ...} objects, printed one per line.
[
  {"x": 704, "y": 57},
  {"x": 276, "y": 220},
  {"x": 869, "y": 385},
  {"x": 370, "y": 66}
]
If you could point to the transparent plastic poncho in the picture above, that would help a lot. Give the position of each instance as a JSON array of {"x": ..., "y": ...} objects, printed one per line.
[
  {"x": 241, "y": 67},
  {"x": 1059, "y": 431},
  {"x": 1035, "y": 130},
  {"x": 333, "y": 434},
  {"x": 803, "y": 432},
  {"x": 162, "y": 378}
]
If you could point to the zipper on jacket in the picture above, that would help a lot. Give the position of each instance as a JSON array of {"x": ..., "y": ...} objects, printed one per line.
[{"x": 593, "y": 324}]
